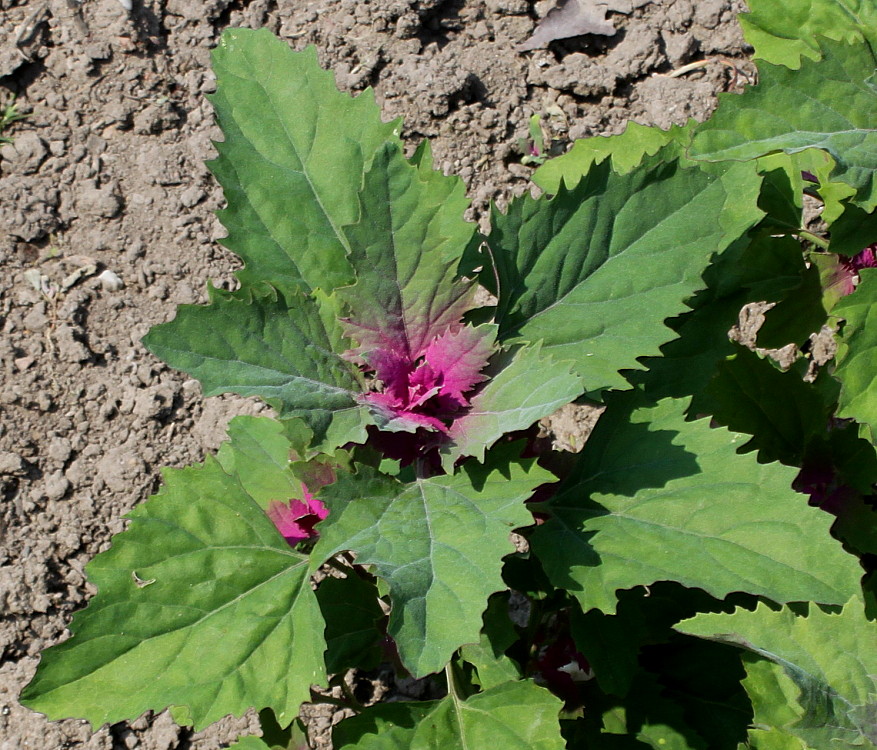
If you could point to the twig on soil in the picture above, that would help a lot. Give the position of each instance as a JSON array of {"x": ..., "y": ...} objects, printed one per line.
[{"x": 700, "y": 64}]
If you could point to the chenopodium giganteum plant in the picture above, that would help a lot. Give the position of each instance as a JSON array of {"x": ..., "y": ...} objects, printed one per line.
[{"x": 699, "y": 576}]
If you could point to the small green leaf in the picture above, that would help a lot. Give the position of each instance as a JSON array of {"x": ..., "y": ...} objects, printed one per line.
[
  {"x": 513, "y": 716},
  {"x": 251, "y": 743},
  {"x": 594, "y": 272},
  {"x": 258, "y": 454},
  {"x": 264, "y": 345},
  {"x": 292, "y": 140},
  {"x": 853, "y": 231},
  {"x": 201, "y": 604},
  {"x": 831, "y": 658},
  {"x": 488, "y": 655},
  {"x": 439, "y": 542},
  {"x": 830, "y": 104},
  {"x": 657, "y": 498}
]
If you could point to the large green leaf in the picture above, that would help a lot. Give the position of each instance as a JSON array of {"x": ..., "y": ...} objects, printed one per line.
[
  {"x": 857, "y": 352},
  {"x": 782, "y": 33},
  {"x": 831, "y": 658},
  {"x": 625, "y": 150},
  {"x": 657, "y": 498},
  {"x": 405, "y": 250},
  {"x": 513, "y": 716},
  {"x": 201, "y": 604},
  {"x": 782, "y": 412},
  {"x": 292, "y": 162},
  {"x": 595, "y": 271},
  {"x": 439, "y": 543},
  {"x": 830, "y": 104},
  {"x": 524, "y": 386},
  {"x": 761, "y": 268},
  {"x": 265, "y": 345}
]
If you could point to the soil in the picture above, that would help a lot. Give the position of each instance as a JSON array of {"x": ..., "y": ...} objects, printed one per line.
[{"x": 107, "y": 224}]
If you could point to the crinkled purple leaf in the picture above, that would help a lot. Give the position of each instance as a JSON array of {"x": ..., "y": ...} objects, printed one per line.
[
  {"x": 456, "y": 359},
  {"x": 296, "y": 519}
]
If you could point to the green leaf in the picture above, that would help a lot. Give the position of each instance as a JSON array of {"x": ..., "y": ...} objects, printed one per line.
[
  {"x": 657, "y": 498},
  {"x": 488, "y": 655},
  {"x": 524, "y": 386},
  {"x": 513, "y": 715},
  {"x": 774, "y": 698},
  {"x": 831, "y": 658},
  {"x": 782, "y": 412},
  {"x": 405, "y": 250},
  {"x": 830, "y": 104},
  {"x": 439, "y": 542},
  {"x": 783, "y": 33},
  {"x": 800, "y": 313},
  {"x": 853, "y": 231},
  {"x": 626, "y": 151},
  {"x": 351, "y": 610},
  {"x": 292, "y": 162},
  {"x": 251, "y": 743},
  {"x": 274, "y": 737},
  {"x": 782, "y": 193},
  {"x": 857, "y": 353},
  {"x": 762, "y": 268},
  {"x": 201, "y": 604},
  {"x": 258, "y": 454},
  {"x": 267, "y": 346},
  {"x": 595, "y": 271}
]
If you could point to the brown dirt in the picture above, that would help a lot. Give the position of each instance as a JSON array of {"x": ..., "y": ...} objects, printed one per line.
[{"x": 108, "y": 172}]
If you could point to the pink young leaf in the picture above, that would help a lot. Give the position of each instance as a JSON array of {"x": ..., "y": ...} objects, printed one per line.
[
  {"x": 396, "y": 416},
  {"x": 296, "y": 519},
  {"x": 456, "y": 359}
]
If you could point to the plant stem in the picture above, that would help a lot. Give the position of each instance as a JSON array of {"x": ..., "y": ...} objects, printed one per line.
[
  {"x": 814, "y": 238},
  {"x": 452, "y": 682}
]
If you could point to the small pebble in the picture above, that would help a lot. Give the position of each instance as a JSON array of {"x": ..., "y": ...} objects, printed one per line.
[
  {"x": 11, "y": 463},
  {"x": 110, "y": 281}
]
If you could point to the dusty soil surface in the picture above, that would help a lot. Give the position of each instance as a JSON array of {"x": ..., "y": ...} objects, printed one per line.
[{"x": 106, "y": 224}]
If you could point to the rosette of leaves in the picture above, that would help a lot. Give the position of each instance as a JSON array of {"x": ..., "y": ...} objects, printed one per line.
[{"x": 395, "y": 397}]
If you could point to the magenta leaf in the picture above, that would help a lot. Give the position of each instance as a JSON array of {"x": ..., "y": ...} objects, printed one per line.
[
  {"x": 296, "y": 519},
  {"x": 429, "y": 392},
  {"x": 456, "y": 359}
]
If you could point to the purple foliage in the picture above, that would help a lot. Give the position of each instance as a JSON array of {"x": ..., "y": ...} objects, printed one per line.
[
  {"x": 423, "y": 392},
  {"x": 845, "y": 278},
  {"x": 296, "y": 519}
]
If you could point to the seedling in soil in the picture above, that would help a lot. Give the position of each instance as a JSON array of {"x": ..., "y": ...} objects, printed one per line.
[{"x": 670, "y": 587}]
